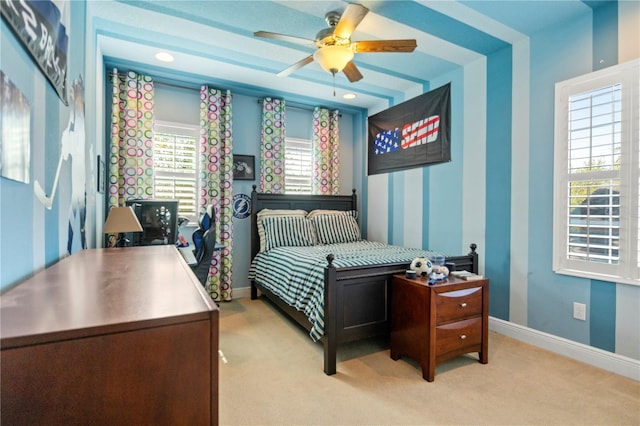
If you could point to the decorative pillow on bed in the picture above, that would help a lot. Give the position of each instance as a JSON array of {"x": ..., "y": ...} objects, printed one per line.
[
  {"x": 336, "y": 228},
  {"x": 264, "y": 213},
  {"x": 288, "y": 231},
  {"x": 318, "y": 212}
]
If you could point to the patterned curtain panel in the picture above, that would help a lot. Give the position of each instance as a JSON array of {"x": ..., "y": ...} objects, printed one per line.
[
  {"x": 326, "y": 146},
  {"x": 272, "y": 139},
  {"x": 131, "y": 144},
  {"x": 216, "y": 181}
]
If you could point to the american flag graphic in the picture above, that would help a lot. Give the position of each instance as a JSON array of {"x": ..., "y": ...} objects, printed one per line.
[{"x": 386, "y": 141}]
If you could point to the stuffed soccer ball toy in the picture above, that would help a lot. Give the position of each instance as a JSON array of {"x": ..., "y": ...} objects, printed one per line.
[{"x": 422, "y": 266}]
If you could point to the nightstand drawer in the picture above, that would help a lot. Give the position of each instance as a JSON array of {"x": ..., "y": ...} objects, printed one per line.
[
  {"x": 458, "y": 335},
  {"x": 460, "y": 304}
]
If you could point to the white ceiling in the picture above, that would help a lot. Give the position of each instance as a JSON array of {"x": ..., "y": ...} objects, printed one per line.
[{"x": 213, "y": 42}]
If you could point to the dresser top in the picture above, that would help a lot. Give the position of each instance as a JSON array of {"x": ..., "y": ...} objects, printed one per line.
[
  {"x": 103, "y": 291},
  {"x": 448, "y": 284}
]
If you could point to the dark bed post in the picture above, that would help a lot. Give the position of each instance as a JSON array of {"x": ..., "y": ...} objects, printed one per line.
[
  {"x": 254, "y": 235},
  {"x": 330, "y": 326},
  {"x": 474, "y": 255},
  {"x": 354, "y": 199}
]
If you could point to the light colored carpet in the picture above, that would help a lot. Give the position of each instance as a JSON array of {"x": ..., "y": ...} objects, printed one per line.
[{"x": 271, "y": 374}]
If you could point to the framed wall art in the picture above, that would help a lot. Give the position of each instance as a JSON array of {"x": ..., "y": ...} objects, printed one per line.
[
  {"x": 244, "y": 167},
  {"x": 101, "y": 175},
  {"x": 15, "y": 127}
]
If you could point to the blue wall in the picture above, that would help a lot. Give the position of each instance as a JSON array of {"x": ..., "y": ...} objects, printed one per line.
[{"x": 33, "y": 237}]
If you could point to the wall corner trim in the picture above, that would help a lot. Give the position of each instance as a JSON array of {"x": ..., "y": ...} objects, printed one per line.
[{"x": 596, "y": 357}]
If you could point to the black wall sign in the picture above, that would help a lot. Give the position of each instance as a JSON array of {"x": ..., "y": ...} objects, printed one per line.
[{"x": 412, "y": 134}]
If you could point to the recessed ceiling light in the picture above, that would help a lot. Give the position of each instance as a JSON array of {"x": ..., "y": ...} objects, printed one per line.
[
  {"x": 164, "y": 57},
  {"x": 349, "y": 96}
]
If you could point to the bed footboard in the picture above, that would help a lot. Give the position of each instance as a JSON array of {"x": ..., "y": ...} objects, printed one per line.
[{"x": 356, "y": 303}]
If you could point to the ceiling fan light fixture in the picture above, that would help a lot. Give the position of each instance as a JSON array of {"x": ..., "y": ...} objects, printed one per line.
[{"x": 333, "y": 58}]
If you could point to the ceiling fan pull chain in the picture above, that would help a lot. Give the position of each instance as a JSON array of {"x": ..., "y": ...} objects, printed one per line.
[{"x": 334, "y": 84}]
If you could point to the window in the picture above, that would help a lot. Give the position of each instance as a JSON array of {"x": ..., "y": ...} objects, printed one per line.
[
  {"x": 176, "y": 166},
  {"x": 298, "y": 166},
  {"x": 597, "y": 200}
]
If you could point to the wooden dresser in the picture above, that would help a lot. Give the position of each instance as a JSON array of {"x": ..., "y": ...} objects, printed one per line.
[
  {"x": 432, "y": 323},
  {"x": 107, "y": 337}
]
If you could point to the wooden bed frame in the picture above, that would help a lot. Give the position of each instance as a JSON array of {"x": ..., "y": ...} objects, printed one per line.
[{"x": 356, "y": 299}]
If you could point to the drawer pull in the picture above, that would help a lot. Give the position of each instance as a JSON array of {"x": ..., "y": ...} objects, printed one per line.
[
  {"x": 463, "y": 305},
  {"x": 463, "y": 336}
]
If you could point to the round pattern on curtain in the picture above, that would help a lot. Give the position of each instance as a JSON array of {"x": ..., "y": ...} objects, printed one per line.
[
  {"x": 326, "y": 156},
  {"x": 216, "y": 181},
  {"x": 131, "y": 143},
  {"x": 272, "y": 138}
]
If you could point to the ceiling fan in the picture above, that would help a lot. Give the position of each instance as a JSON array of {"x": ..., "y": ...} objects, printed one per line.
[{"x": 335, "y": 49}]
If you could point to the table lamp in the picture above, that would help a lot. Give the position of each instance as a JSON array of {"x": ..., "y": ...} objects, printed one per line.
[{"x": 119, "y": 221}]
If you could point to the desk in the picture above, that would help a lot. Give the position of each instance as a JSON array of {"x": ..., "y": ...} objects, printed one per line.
[
  {"x": 187, "y": 254},
  {"x": 110, "y": 336}
]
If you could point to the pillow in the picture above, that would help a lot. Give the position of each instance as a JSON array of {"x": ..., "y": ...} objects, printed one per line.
[
  {"x": 317, "y": 212},
  {"x": 288, "y": 231},
  {"x": 336, "y": 228},
  {"x": 274, "y": 213}
]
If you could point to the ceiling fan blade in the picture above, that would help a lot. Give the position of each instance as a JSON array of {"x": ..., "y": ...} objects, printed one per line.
[
  {"x": 284, "y": 37},
  {"x": 296, "y": 66},
  {"x": 373, "y": 46},
  {"x": 352, "y": 16},
  {"x": 352, "y": 72}
]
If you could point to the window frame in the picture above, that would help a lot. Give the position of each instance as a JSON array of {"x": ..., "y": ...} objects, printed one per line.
[
  {"x": 180, "y": 129},
  {"x": 628, "y": 269}
]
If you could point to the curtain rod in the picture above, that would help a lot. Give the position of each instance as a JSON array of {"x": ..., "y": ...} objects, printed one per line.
[
  {"x": 179, "y": 86},
  {"x": 304, "y": 108},
  {"x": 162, "y": 83}
]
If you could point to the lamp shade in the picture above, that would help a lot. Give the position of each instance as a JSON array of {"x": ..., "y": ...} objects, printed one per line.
[
  {"x": 333, "y": 58},
  {"x": 121, "y": 219}
]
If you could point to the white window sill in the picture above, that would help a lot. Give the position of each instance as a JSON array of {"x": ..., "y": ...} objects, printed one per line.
[{"x": 595, "y": 276}]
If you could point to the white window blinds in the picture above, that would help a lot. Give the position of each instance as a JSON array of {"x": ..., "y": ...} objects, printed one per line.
[
  {"x": 175, "y": 165},
  {"x": 594, "y": 175},
  {"x": 298, "y": 166}
]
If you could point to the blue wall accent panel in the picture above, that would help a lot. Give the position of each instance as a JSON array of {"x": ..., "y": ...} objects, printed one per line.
[
  {"x": 498, "y": 209},
  {"x": 360, "y": 145},
  {"x": 397, "y": 188},
  {"x": 605, "y": 35},
  {"x": 602, "y": 316},
  {"x": 426, "y": 197},
  {"x": 442, "y": 26}
]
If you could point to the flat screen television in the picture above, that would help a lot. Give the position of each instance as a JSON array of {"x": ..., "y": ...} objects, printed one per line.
[{"x": 159, "y": 220}]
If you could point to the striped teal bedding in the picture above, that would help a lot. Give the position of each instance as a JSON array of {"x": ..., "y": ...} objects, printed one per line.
[{"x": 296, "y": 274}]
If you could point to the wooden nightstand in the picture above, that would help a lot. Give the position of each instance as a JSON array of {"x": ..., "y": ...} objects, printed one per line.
[{"x": 432, "y": 323}]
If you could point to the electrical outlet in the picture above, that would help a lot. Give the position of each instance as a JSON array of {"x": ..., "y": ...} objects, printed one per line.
[{"x": 580, "y": 311}]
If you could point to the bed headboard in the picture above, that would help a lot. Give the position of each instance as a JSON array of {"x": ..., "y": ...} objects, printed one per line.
[{"x": 261, "y": 201}]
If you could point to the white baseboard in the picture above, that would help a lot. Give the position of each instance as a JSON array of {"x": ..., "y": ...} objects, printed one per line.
[
  {"x": 239, "y": 293},
  {"x": 609, "y": 361}
]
